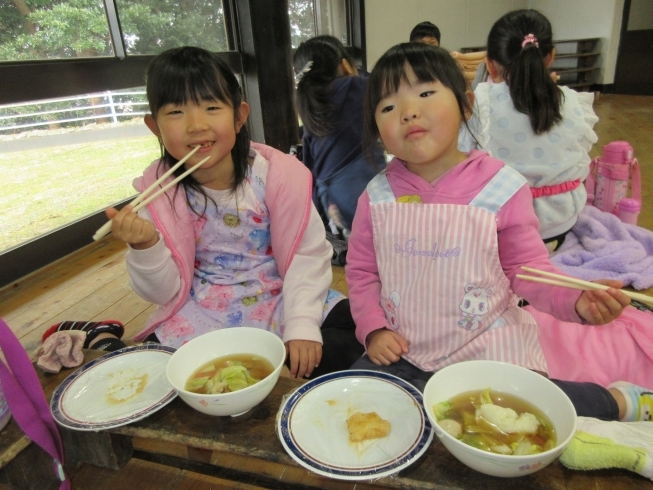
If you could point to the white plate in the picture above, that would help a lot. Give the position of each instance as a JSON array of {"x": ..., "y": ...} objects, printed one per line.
[
  {"x": 115, "y": 389},
  {"x": 312, "y": 425}
]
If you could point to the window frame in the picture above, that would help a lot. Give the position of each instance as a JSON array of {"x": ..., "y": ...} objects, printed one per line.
[{"x": 262, "y": 56}]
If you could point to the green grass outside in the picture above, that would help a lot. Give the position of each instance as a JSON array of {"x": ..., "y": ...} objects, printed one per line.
[{"x": 43, "y": 189}]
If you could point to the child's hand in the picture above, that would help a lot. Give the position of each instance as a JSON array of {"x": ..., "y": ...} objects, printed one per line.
[
  {"x": 131, "y": 228},
  {"x": 385, "y": 346},
  {"x": 600, "y": 307},
  {"x": 305, "y": 355}
]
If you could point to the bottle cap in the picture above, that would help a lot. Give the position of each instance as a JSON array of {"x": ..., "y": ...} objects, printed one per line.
[
  {"x": 631, "y": 205},
  {"x": 617, "y": 152}
]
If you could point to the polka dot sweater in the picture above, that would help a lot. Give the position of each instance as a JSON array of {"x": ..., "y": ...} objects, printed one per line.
[{"x": 551, "y": 161}]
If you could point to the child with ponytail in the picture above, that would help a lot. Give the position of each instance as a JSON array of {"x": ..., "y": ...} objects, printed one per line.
[
  {"x": 542, "y": 130},
  {"x": 329, "y": 100}
]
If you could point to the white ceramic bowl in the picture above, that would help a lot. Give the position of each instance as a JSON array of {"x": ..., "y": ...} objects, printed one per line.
[
  {"x": 507, "y": 378},
  {"x": 238, "y": 340}
]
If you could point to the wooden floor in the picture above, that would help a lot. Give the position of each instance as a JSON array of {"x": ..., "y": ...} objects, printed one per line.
[{"x": 92, "y": 284}]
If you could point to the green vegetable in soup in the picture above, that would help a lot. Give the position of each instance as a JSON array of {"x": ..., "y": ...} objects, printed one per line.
[
  {"x": 196, "y": 383},
  {"x": 485, "y": 398},
  {"x": 496, "y": 422},
  {"x": 229, "y": 373},
  {"x": 237, "y": 377},
  {"x": 524, "y": 447},
  {"x": 441, "y": 409},
  {"x": 234, "y": 377}
]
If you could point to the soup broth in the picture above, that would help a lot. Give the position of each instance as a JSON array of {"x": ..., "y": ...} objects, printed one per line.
[
  {"x": 229, "y": 373},
  {"x": 478, "y": 418}
]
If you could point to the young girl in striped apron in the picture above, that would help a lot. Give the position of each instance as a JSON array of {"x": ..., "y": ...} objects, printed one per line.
[{"x": 439, "y": 236}]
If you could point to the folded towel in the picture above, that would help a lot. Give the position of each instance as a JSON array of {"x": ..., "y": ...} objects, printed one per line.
[
  {"x": 600, "y": 246},
  {"x": 599, "y": 444},
  {"x": 61, "y": 349}
]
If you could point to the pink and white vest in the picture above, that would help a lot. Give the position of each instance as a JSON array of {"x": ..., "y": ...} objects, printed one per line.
[
  {"x": 288, "y": 197},
  {"x": 443, "y": 287}
]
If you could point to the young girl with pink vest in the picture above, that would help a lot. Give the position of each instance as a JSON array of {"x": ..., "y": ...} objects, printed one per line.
[
  {"x": 440, "y": 235},
  {"x": 238, "y": 242}
]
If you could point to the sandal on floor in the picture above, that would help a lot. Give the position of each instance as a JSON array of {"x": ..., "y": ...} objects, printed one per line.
[{"x": 92, "y": 329}]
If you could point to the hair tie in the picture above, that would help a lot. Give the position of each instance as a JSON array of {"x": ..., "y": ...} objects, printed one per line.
[
  {"x": 530, "y": 39},
  {"x": 303, "y": 71}
]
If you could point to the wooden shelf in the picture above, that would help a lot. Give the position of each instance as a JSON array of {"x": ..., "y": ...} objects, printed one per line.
[
  {"x": 581, "y": 74},
  {"x": 575, "y": 55},
  {"x": 586, "y": 53},
  {"x": 561, "y": 71}
]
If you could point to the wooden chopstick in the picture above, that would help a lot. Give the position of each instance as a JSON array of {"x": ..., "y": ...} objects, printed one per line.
[
  {"x": 106, "y": 227},
  {"x": 139, "y": 203},
  {"x": 143, "y": 194},
  {"x": 169, "y": 185},
  {"x": 573, "y": 283}
]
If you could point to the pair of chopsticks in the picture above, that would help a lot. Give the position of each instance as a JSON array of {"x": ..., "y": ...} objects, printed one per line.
[
  {"x": 143, "y": 200},
  {"x": 573, "y": 283}
]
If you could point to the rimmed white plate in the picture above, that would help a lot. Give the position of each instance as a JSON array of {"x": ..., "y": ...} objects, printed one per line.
[
  {"x": 115, "y": 389},
  {"x": 312, "y": 425}
]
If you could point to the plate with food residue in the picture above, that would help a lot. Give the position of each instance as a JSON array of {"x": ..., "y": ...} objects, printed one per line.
[
  {"x": 354, "y": 425},
  {"x": 115, "y": 389}
]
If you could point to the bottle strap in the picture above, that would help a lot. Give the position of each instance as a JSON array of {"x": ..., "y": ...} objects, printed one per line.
[
  {"x": 27, "y": 402},
  {"x": 636, "y": 184},
  {"x": 590, "y": 185}
]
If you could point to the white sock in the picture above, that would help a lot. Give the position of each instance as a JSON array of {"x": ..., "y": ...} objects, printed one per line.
[{"x": 639, "y": 401}]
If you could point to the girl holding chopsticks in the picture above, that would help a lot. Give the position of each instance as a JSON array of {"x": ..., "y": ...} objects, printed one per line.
[
  {"x": 239, "y": 241},
  {"x": 440, "y": 236}
]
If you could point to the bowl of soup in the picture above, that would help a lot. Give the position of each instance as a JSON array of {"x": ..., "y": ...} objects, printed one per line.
[
  {"x": 497, "y": 418},
  {"x": 227, "y": 372}
]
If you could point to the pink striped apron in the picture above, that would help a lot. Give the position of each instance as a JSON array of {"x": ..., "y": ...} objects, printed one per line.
[{"x": 443, "y": 288}]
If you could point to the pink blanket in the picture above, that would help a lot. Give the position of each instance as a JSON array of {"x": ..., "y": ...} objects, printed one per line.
[{"x": 619, "y": 351}]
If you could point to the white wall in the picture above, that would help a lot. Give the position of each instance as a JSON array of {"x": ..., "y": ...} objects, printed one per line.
[
  {"x": 467, "y": 23},
  {"x": 461, "y": 22},
  {"x": 587, "y": 18}
]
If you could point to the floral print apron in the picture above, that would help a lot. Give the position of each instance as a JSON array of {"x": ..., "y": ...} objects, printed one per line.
[{"x": 236, "y": 281}]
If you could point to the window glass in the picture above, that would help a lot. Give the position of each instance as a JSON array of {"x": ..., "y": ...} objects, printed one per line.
[
  {"x": 302, "y": 21},
  {"x": 332, "y": 18},
  {"x": 50, "y": 29},
  {"x": 152, "y": 26},
  {"x": 309, "y": 18},
  {"x": 67, "y": 158}
]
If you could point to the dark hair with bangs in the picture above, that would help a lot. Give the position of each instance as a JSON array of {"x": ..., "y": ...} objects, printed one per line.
[
  {"x": 424, "y": 29},
  {"x": 191, "y": 74},
  {"x": 429, "y": 64},
  {"x": 532, "y": 90},
  {"x": 312, "y": 96}
]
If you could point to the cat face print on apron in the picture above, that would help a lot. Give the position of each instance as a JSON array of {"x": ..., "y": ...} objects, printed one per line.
[{"x": 443, "y": 287}]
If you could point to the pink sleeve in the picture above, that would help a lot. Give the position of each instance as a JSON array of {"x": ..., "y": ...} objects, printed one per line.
[
  {"x": 363, "y": 275},
  {"x": 520, "y": 244}
]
